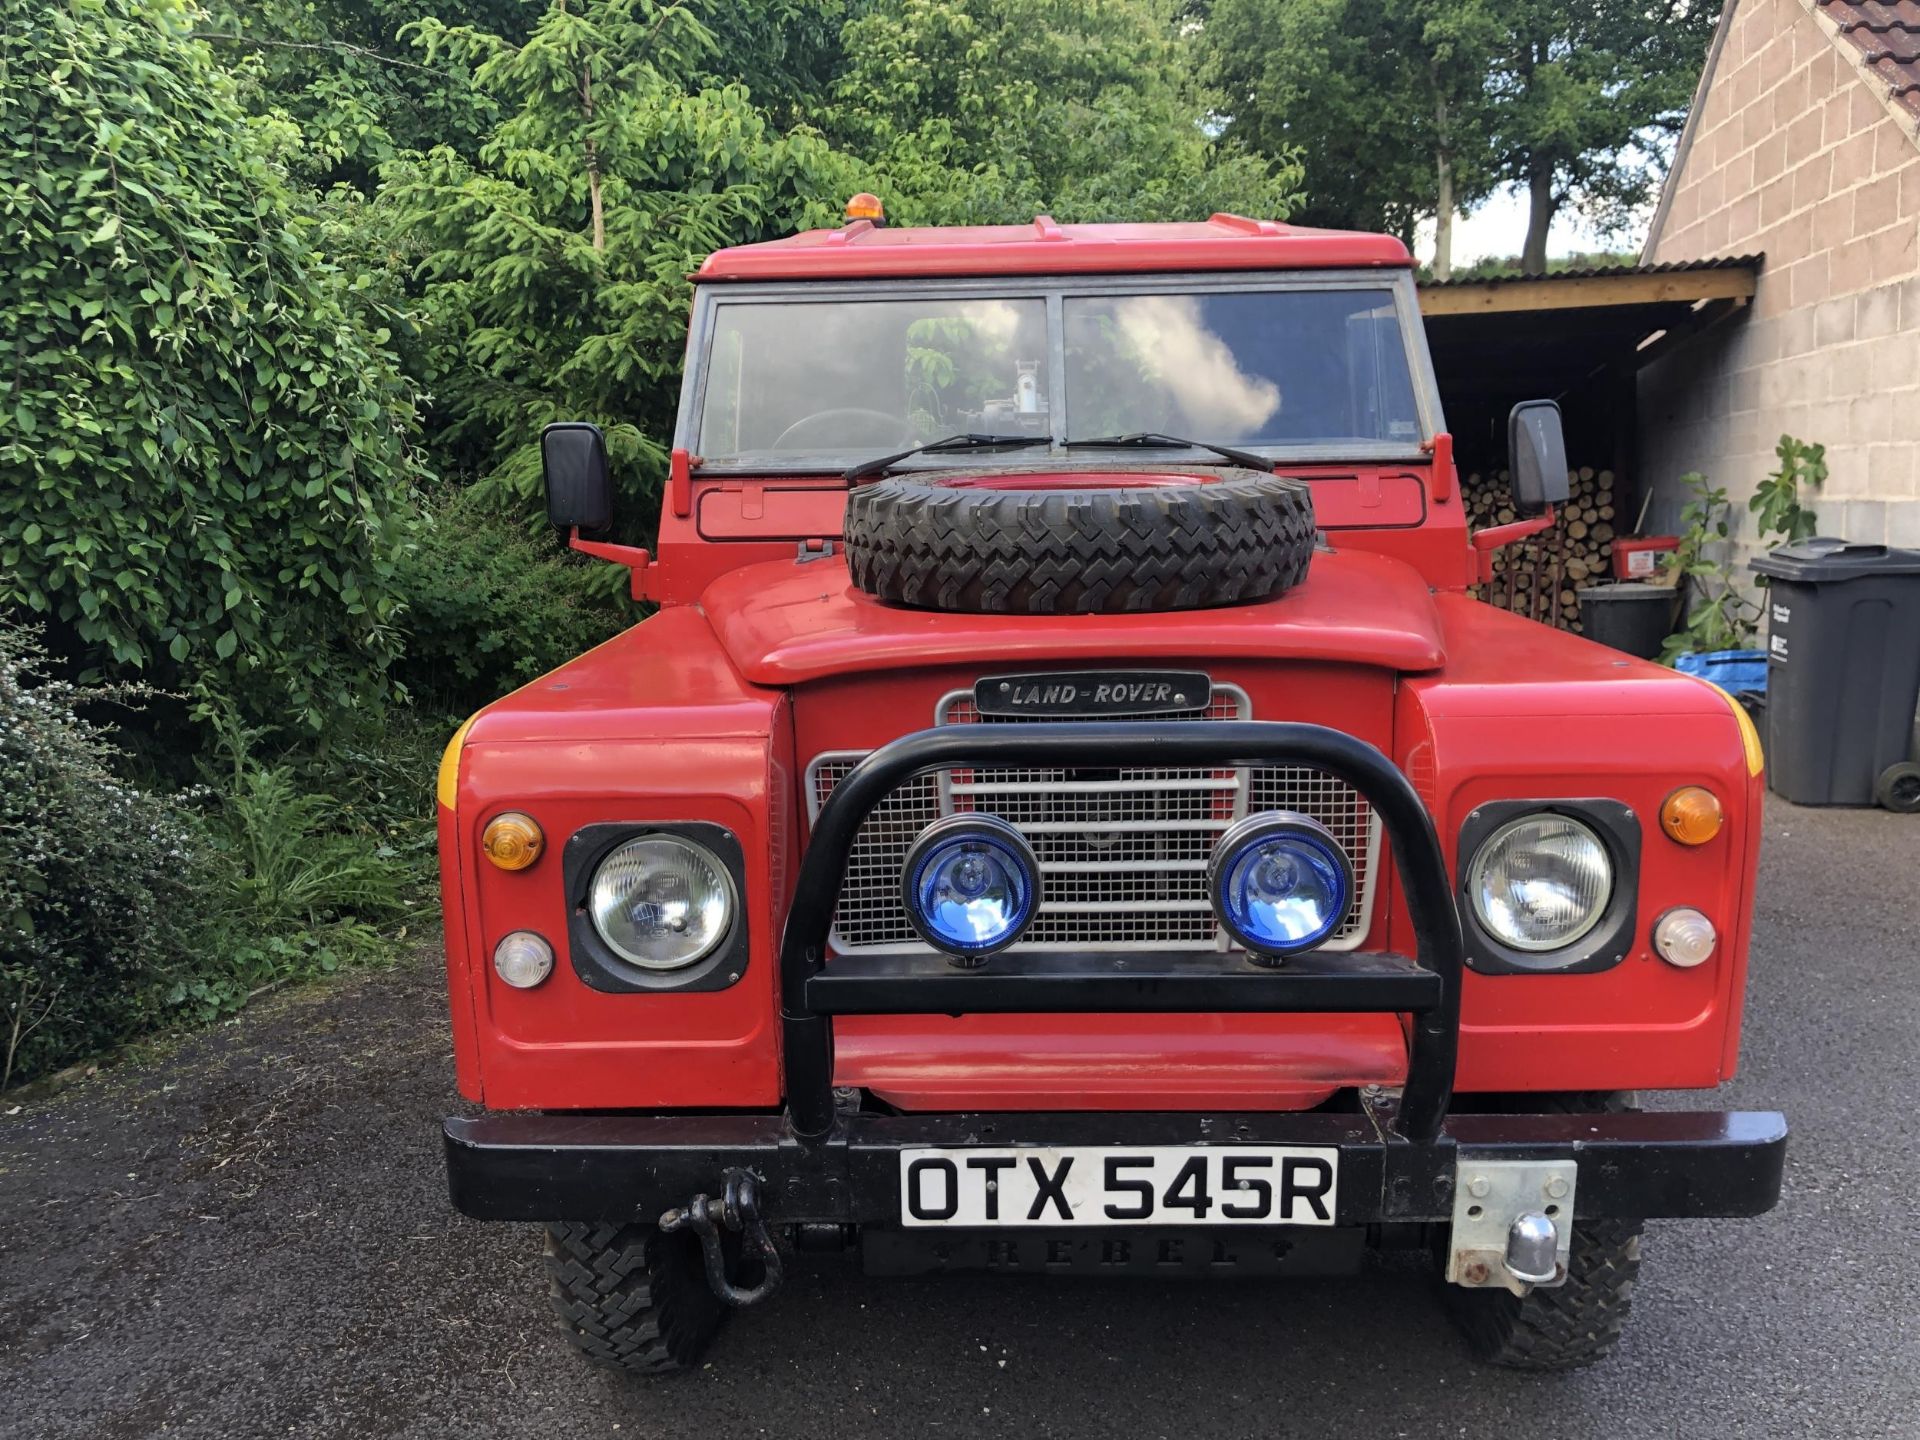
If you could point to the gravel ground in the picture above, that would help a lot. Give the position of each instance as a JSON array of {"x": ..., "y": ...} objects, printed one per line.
[{"x": 251, "y": 1237}]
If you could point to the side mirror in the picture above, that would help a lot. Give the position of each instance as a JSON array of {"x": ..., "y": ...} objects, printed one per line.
[
  {"x": 1536, "y": 456},
  {"x": 573, "y": 461}
]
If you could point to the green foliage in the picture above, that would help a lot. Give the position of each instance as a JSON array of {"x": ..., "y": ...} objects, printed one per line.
[
  {"x": 340, "y": 76},
  {"x": 556, "y": 264},
  {"x": 1573, "y": 103},
  {"x": 123, "y": 909},
  {"x": 106, "y": 885},
  {"x": 206, "y": 452},
  {"x": 785, "y": 51},
  {"x": 990, "y": 111},
  {"x": 305, "y": 881},
  {"x": 1719, "y": 614},
  {"x": 290, "y": 872},
  {"x": 1776, "y": 499},
  {"x": 494, "y": 602},
  {"x": 1374, "y": 97},
  {"x": 1586, "y": 99}
]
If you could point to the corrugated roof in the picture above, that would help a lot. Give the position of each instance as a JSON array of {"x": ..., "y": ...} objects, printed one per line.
[
  {"x": 1672, "y": 267},
  {"x": 1887, "y": 35}
]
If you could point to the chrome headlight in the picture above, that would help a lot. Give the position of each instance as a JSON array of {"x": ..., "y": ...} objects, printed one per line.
[
  {"x": 662, "y": 901},
  {"x": 1540, "y": 882}
]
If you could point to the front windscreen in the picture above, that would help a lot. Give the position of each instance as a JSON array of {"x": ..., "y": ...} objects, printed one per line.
[
  {"x": 1260, "y": 368},
  {"x": 851, "y": 377},
  {"x": 796, "y": 384}
]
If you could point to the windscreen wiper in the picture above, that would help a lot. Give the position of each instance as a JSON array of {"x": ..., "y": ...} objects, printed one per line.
[
  {"x": 1153, "y": 440},
  {"x": 937, "y": 447}
]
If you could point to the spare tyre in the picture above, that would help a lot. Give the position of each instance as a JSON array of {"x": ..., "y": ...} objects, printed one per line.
[{"x": 1025, "y": 544}]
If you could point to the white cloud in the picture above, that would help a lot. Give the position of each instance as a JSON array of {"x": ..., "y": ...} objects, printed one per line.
[{"x": 1173, "y": 344}]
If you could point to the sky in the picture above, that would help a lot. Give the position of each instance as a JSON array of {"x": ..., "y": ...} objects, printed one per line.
[{"x": 1499, "y": 227}]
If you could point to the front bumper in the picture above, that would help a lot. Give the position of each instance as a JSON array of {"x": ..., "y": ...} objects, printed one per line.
[{"x": 632, "y": 1167}]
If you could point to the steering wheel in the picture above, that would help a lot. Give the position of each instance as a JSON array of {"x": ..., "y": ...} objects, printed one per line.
[{"x": 853, "y": 427}]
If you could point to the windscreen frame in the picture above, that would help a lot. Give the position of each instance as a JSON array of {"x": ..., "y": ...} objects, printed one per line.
[{"x": 711, "y": 299}]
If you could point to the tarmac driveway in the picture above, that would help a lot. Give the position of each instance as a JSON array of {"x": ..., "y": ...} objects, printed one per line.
[{"x": 251, "y": 1237}]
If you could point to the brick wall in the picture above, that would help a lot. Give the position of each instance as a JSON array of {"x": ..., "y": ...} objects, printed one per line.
[{"x": 1793, "y": 154}]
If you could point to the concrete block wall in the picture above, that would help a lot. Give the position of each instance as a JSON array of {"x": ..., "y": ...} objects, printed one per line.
[{"x": 1795, "y": 154}]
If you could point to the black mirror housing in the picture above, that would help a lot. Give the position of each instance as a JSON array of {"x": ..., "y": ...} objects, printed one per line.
[
  {"x": 1536, "y": 456},
  {"x": 573, "y": 462}
]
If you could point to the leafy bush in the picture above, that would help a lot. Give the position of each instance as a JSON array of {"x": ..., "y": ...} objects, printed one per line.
[
  {"x": 106, "y": 886},
  {"x": 337, "y": 70},
  {"x": 291, "y": 872},
  {"x": 1775, "y": 502},
  {"x": 205, "y": 448},
  {"x": 122, "y": 909},
  {"x": 494, "y": 602},
  {"x": 307, "y": 878},
  {"x": 1721, "y": 615}
]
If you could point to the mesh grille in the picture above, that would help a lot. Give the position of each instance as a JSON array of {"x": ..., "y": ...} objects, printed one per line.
[{"x": 1123, "y": 853}]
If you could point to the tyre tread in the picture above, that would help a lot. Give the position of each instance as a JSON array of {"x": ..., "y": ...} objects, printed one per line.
[
  {"x": 934, "y": 545},
  {"x": 629, "y": 1297}
]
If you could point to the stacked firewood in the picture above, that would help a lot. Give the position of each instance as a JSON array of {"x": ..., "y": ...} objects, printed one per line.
[{"x": 1540, "y": 577}]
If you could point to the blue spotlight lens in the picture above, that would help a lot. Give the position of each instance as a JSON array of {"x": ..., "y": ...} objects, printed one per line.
[
  {"x": 1280, "y": 883},
  {"x": 971, "y": 885}
]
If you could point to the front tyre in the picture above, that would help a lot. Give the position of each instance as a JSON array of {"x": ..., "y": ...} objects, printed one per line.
[
  {"x": 1564, "y": 1328},
  {"x": 631, "y": 1298}
]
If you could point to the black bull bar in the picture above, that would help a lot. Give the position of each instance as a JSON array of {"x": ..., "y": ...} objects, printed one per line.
[
  {"x": 1397, "y": 1158},
  {"x": 1428, "y": 987}
]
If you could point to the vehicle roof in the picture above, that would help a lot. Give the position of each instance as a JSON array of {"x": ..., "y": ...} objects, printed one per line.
[{"x": 1223, "y": 242}]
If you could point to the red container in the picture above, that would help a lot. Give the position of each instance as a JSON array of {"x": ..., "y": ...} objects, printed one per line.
[{"x": 1637, "y": 557}]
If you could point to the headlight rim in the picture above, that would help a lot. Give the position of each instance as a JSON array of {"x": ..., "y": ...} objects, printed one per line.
[
  {"x": 603, "y": 968},
  {"x": 1608, "y": 941}
]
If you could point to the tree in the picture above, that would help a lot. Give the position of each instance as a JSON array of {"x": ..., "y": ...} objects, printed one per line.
[
  {"x": 554, "y": 277},
  {"x": 554, "y": 272},
  {"x": 979, "y": 111},
  {"x": 1587, "y": 98},
  {"x": 206, "y": 451},
  {"x": 339, "y": 72},
  {"x": 1385, "y": 103}
]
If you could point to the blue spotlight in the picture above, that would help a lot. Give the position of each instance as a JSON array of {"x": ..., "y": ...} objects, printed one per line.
[
  {"x": 971, "y": 886},
  {"x": 1280, "y": 883}
]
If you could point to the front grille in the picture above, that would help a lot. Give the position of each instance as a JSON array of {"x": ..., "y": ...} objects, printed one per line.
[{"x": 1123, "y": 853}]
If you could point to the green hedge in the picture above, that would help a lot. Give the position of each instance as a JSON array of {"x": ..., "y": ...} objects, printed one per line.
[{"x": 205, "y": 446}]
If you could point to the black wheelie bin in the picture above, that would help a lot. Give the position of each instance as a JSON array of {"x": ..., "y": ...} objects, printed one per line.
[{"x": 1843, "y": 673}]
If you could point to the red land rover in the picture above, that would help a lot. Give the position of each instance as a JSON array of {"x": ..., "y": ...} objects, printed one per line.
[{"x": 1067, "y": 814}]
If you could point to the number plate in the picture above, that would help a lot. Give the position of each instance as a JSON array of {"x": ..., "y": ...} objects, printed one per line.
[{"x": 1143, "y": 1185}]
